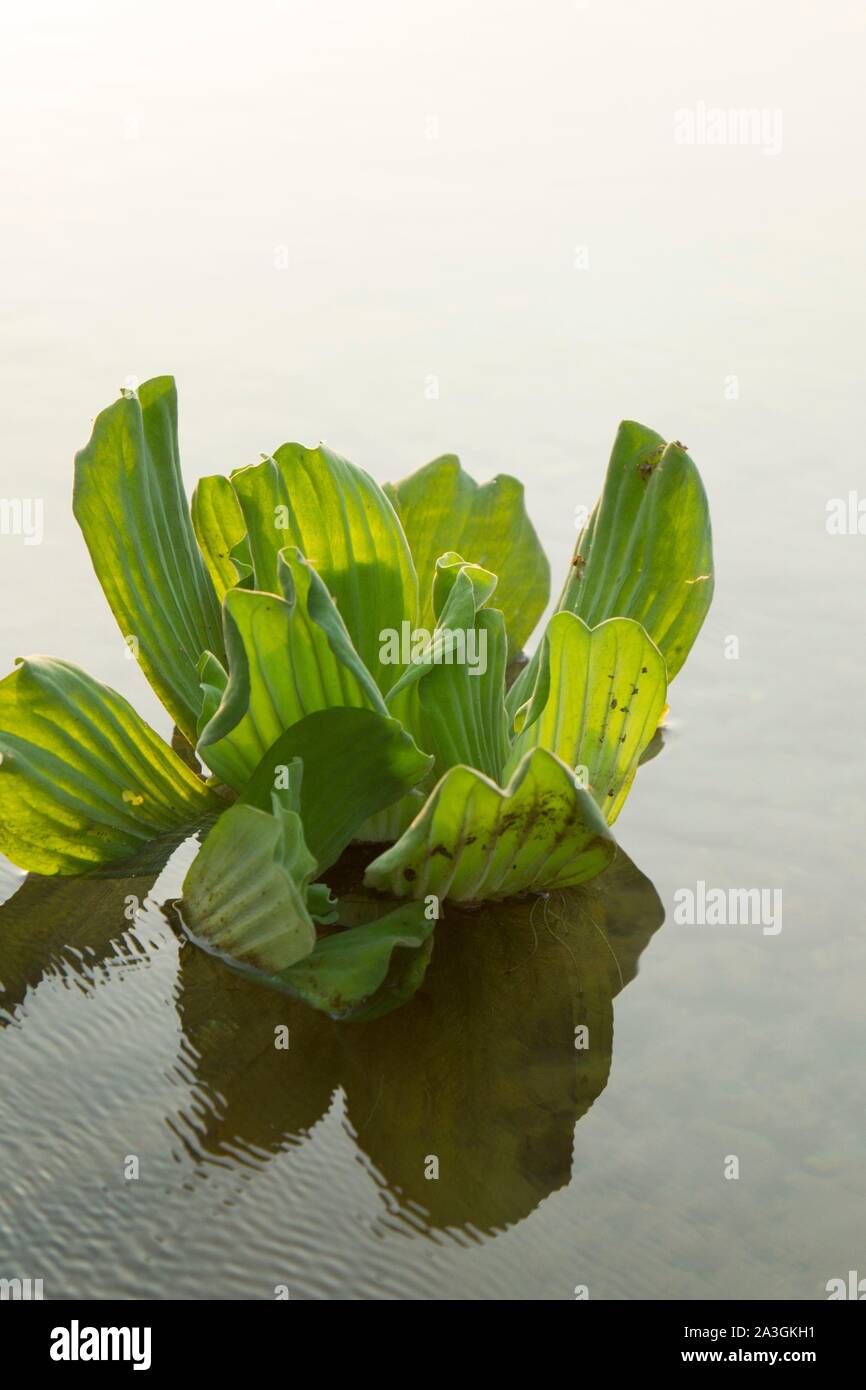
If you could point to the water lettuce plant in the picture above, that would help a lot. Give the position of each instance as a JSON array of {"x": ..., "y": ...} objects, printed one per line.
[{"x": 336, "y": 658}]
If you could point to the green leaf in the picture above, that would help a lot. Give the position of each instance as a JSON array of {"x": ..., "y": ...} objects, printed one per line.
[
  {"x": 467, "y": 589},
  {"x": 247, "y": 898},
  {"x": 449, "y": 568},
  {"x": 242, "y": 561},
  {"x": 365, "y": 972},
  {"x": 646, "y": 551},
  {"x": 443, "y": 509},
  {"x": 463, "y": 706},
  {"x": 461, "y": 716},
  {"x": 213, "y": 679},
  {"x": 287, "y": 657},
  {"x": 321, "y": 904},
  {"x": 341, "y": 520},
  {"x": 245, "y": 893},
  {"x": 388, "y": 826},
  {"x": 598, "y": 698},
  {"x": 83, "y": 780},
  {"x": 474, "y": 841},
  {"x": 130, "y": 504},
  {"x": 219, "y": 527},
  {"x": 355, "y": 764}
]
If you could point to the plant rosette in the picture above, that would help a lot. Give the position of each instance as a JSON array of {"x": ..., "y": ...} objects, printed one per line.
[{"x": 335, "y": 657}]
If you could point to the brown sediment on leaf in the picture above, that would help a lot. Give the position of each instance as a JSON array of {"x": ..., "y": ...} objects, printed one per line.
[{"x": 648, "y": 464}]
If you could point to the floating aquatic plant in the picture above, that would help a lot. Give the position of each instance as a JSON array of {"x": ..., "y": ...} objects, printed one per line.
[{"x": 336, "y": 658}]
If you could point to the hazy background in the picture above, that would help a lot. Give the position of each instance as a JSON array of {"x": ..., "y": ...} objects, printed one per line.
[{"x": 408, "y": 228}]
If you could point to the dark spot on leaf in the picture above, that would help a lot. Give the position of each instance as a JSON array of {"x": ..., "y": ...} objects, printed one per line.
[
  {"x": 409, "y": 874},
  {"x": 442, "y": 849},
  {"x": 613, "y": 704}
]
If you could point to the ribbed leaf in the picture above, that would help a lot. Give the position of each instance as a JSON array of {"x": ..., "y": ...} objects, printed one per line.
[
  {"x": 463, "y": 706},
  {"x": 646, "y": 551},
  {"x": 597, "y": 701},
  {"x": 83, "y": 780},
  {"x": 247, "y": 898},
  {"x": 443, "y": 509},
  {"x": 219, "y": 527},
  {"x": 355, "y": 764},
  {"x": 287, "y": 657},
  {"x": 468, "y": 587},
  {"x": 245, "y": 895},
  {"x": 473, "y": 841},
  {"x": 365, "y": 972},
  {"x": 449, "y": 568},
  {"x": 461, "y": 718},
  {"x": 130, "y": 504},
  {"x": 341, "y": 520}
]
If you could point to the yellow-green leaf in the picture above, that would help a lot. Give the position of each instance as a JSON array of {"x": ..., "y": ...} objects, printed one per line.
[
  {"x": 244, "y": 895},
  {"x": 341, "y": 520},
  {"x": 443, "y": 509},
  {"x": 646, "y": 551},
  {"x": 598, "y": 698},
  {"x": 287, "y": 656},
  {"x": 474, "y": 841},
  {"x": 130, "y": 504},
  {"x": 219, "y": 527},
  {"x": 83, "y": 780}
]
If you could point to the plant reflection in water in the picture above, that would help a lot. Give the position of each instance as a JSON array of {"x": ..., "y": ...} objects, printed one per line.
[{"x": 505, "y": 1047}]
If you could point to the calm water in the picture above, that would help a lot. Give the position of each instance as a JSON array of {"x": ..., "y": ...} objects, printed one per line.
[{"x": 411, "y": 229}]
